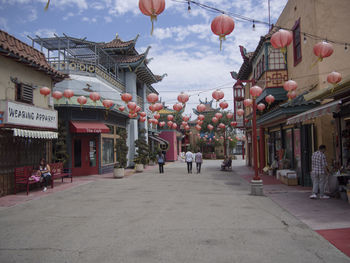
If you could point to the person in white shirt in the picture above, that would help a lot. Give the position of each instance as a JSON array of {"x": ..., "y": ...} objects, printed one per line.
[
  {"x": 198, "y": 159},
  {"x": 189, "y": 160}
]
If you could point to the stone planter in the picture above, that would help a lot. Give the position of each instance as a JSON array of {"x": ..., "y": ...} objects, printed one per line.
[
  {"x": 118, "y": 172},
  {"x": 139, "y": 167}
]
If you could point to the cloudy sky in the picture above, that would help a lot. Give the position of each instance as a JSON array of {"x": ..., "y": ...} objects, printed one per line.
[{"x": 183, "y": 45}]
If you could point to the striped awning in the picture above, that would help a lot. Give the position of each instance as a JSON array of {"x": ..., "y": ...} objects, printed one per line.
[
  {"x": 35, "y": 134},
  {"x": 316, "y": 112}
]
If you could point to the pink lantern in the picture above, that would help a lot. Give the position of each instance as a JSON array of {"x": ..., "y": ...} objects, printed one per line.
[
  {"x": 248, "y": 102},
  {"x": 156, "y": 116},
  {"x": 170, "y": 124},
  {"x": 291, "y": 94},
  {"x": 185, "y": 118},
  {"x": 162, "y": 124},
  {"x": 334, "y": 77},
  {"x": 281, "y": 39},
  {"x": 210, "y": 127},
  {"x": 126, "y": 97},
  {"x": 184, "y": 123},
  {"x": 187, "y": 127},
  {"x": 290, "y": 85},
  {"x": 198, "y": 127},
  {"x": 131, "y": 105},
  {"x": 68, "y": 93},
  {"x": 270, "y": 99},
  {"x": 261, "y": 106},
  {"x": 223, "y": 105},
  {"x": 94, "y": 96},
  {"x": 170, "y": 117},
  {"x": 82, "y": 100},
  {"x": 107, "y": 104},
  {"x": 255, "y": 91},
  {"x": 240, "y": 112},
  {"x": 158, "y": 106},
  {"x": 214, "y": 120},
  {"x": 323, "y": 50},
  {"x": 121, "y": 108},
  {"x": 137, "y": 109},
  {"x": 155, "y": 121},
  {"x": 229, "y": 115},
  {"x": 57, "y": 95},
  {"x": 152, "y": 8},
  {"x": 201, "y": 117},
  {"x": 142, "y": 119},
  {"x": 174, "y": 126},
  {"x": 233, "y": 123},
  {"x": 201, "y": 108},
  {"x": 218, "y": 95},
  {"x": 183, "y": 98},
  {"x": 131, "y": 115},
  {"x": 218, "y": 115},
  {"x": 199, "y": 122},
  {"x": 142, "y": 114},
  {"x": 152, "y": 107},
  {"x": 152, "y": 98},
  {"x": 222, "y": 126},
  {"x": 177, "y": 107},
  {"x": 222, "y": 26},
  {"x": 45, "y": 91}
]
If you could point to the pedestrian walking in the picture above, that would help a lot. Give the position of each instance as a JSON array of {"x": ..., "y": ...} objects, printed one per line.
[
  {"x": 199, "y": 160},
  {"x": 189, "y": 160},
  {"x": 319, "y": 173},
  {"x": 161, "y": 160}
]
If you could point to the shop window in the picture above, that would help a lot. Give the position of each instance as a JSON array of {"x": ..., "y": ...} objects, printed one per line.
[
  {"x": 107, "y": 151},
  {"x": 24, "y": 93},
  {"x": 296, "y": 43},
  {"x": 276, "y": 60}
]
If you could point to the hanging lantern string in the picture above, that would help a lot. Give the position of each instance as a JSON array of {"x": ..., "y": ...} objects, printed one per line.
[{"x": 255, "y": 21}]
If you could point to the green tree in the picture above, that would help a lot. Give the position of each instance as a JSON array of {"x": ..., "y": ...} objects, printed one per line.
[
  {"x": 142, "y": 149},
  {"x": 60, "y": 147},
  {"x": 121, "y": 148}
]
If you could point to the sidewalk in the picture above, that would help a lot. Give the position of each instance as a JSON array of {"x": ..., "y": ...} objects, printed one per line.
[{"x": 330, "y": 218}]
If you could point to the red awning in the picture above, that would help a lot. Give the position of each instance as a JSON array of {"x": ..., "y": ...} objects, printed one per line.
[{"x": 88, "y": 127}]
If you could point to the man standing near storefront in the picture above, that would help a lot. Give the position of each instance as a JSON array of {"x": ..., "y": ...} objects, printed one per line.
[{"x": 319, "y": 173}]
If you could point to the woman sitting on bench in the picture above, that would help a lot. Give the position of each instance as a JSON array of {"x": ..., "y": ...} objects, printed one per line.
[
  {"x": 44, "y": 173},
  {"x": 226, "y": 163}
]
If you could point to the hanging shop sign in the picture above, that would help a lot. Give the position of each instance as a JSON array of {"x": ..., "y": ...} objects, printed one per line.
[{"x": 26, "y": 115}]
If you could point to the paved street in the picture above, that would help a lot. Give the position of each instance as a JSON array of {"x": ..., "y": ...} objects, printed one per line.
[{"x": 151, "y": 217}]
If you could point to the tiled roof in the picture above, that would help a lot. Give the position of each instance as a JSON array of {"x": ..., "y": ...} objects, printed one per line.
[
  {"x": 129, "y": 59},
  {"x": 118, "y": 43},
  {"x": 29, "y": 55}
]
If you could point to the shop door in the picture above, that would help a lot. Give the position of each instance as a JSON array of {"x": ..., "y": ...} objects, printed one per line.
[
  {"x": 85, "y": 155},
  {"x": 306, "y": 149}
]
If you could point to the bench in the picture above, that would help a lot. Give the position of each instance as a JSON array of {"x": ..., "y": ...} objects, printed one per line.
[
  {"x": 22, "y": 175},
  {"x": 57, "y": 171}
]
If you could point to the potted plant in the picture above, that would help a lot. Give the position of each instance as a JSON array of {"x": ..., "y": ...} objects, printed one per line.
[
  {"x": 142, "y": 152},
  {"x": 153, "y": 158},
  {"x": 122, "y": 151}
]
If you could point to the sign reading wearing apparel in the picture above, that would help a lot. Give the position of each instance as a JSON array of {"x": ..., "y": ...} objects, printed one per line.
[{"x": 26, "y": 115}]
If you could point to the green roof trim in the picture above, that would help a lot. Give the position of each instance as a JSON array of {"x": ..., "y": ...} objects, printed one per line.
[{"x": 279, "y": 93}]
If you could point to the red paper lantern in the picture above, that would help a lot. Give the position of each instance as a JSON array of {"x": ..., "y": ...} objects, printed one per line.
[
  {"x": 161, "y": 124},
  {"x": 94, "y": 96},
  {"x": 223, "y": 105},
  {"x": 158, "y": 106},
  {"x": 334, "y": 77},
  {"x": 174, "y": 126},
  {"x": 270, "y": 99},
  {"x": 142, "y": 119},
  {"x": 170, "y": 123},
  {"x": 183, "y": 98},
  {"x": 201, "y": 117},
  {"x": 155, "y": 121},
  {"x": 68, "y": 93},
  {"x": 156, "y": 116},
  {"x": 131, "y": 105},
  {"x": 261, "y": 106},
  {"x": 57, "y": 95},
  {"x": 281, "y": 39},
  {"x": 185, "y": 118},
  {"x": 240, "y": 112},
  {"x": 152, "y": 107},
  {"x": 229, "y": 115},
  {"x": 143, "y": 114},
  {"x": 222, "y": 126},
  {"x": 108, "y": 104},
  {"x": 290, "y": 85},
  {"x": 170, "y": 117},
  {"x": 214, "y": 120},
  {"x": 291, "y": 94},
  {"x": 218, "y": 115},
  {"x": 187, "y": 127},
  {"x": 323, "y": 50},
  {"x": 255, "y": 91},
  {"x": 233, "y": 123},
  {"x": 82, "y": 100},
  {"x": 222, "y": 26},
  {"x": 198, "y": 127},
  {"x": 137, "y": 109},
  {"x": 201, "y": 108},
  {"x": 218, "y": 95},
  {"x": 121, "y": 108},
  {"x": 199, "y": 122},
  {"x": 126, "y": 97},
  {"x": 45, "y": 91},
  {"x": 210, "y": 127},
  {"x": 152, "y": 98},
  {"x": 248, "y": 102},
  {"x": 152, "y": 8},
  {"x": 183, "y": 123},
  {"x": 177, "y": 107}
]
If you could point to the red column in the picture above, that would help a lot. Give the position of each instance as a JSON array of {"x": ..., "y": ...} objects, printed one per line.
[
  {"x": 262, "y": 148},
  {"x": 255, "y": 143}
]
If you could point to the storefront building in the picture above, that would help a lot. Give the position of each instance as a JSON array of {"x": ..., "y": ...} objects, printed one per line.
[{"x": 28, "y": 121}]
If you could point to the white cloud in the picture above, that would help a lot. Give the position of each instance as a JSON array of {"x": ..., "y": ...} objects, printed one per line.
[
  {"x": 4, "y": 24},
  {"x": 69, "y": 15},
  {"x": 98, "y": 5},
  {"x": 33, "y": 15},
  {"x": 90, "y": 20},
  {"x": 43, "y": 32},
  {"x": 108, "y": 19}
]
